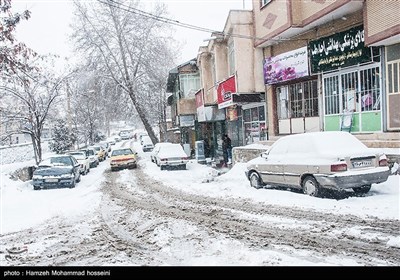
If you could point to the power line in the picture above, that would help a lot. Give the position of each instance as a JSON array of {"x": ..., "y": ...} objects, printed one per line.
[{"x": 124, "y": 7}]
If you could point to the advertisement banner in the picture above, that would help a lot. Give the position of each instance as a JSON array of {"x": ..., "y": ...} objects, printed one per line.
[
  {"x": 186, "y": 120},
  {"x": 210, "y": 114},
  {"x": 287, "y": 66},
  {"x": 231, "y": 113},
  {"x": 224, "y": 92},
  {"x": 199, "y": 95},
  {"x": 339, "y": 50}
]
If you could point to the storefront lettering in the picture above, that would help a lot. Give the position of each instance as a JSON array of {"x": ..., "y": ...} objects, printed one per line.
[
  {"x": 349, "y": 42},
  {"x": 339, "y": 50}
]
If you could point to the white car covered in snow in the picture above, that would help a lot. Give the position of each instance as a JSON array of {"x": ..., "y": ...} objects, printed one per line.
[
  {"x": 319, "y": 160},
  {"x": 171, "y": 155},
  {"x": 83, "y": 160}
]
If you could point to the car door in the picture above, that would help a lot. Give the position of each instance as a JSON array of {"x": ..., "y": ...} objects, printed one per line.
[
  {"x": 271, "y": 170},
  {"x": 76, "y": 167}
]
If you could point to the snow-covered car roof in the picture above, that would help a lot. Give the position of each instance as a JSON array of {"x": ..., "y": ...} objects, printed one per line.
[{"x": 172, "y": 150}]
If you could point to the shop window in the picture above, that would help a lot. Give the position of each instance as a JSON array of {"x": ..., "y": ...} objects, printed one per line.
[
  {"x": 246, "y": 116},
  {"x": 261, "y": 113},
  {"x": 296, "y": 100},
  {"x": 254, "y": 114},
  {"x": 255, "y": 128},
  {"x": 331, "y": 89},
  {"x": 370, "y": 90},
  {"x": 349, "y": 83},
  {"x": 310, "y": 99},
  {"x": 282, "y": 100},
  {"x": 360, "y": 91},
  {"x": 302, "y": 99}
]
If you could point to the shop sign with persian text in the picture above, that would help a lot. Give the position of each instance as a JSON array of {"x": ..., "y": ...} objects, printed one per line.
[{"x": 339, "y": 50}]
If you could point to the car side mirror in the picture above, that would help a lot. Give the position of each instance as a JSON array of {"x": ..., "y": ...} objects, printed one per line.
[{"x": 264, "y": 155}]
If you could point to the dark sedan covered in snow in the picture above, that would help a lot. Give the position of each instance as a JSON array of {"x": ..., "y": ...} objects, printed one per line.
[{"x": 55, "y": 172}]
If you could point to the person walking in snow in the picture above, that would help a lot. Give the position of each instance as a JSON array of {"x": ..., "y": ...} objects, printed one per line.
[{"x": 227, "y": 149}]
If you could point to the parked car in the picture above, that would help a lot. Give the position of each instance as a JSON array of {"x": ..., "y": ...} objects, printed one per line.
[
  {"x": 100, "y": 152},
  {"x": 56, "y": 171},
  {"x": 111, "y": 141},
  {"x": 83, "y": 161},
  {"x": 156, "y": 149},
  {"x": 92, "y": 155},
  {"x": 316, "y": 161},
  {"x": 123, "y": 158},
  {"x": 106, "y": 147},
  {"x": 171, "y": 155},
  {"x": 147, "y": 144},
  {"x": 125, "y": 134}
]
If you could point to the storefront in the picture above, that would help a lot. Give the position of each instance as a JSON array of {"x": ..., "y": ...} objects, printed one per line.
[
  {"x": 245, "y": 113},
  {"x": 296, "y": 93},
  {"x": 210, "y": 127},
  {"x": 351, "y": 81},
  {"x": 393, "y": 87}
]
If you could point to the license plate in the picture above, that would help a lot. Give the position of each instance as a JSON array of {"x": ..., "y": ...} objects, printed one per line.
[
  {"x": 362, "y": 163},
  {"x": 52, "y": 180}
]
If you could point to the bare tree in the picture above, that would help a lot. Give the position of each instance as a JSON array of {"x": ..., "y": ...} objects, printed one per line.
[
  {"x": 30, "y": 97},
  {"x": 134, "y": 49}
]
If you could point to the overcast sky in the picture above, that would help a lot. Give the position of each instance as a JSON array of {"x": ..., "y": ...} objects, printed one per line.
[{"x": 48, "y": 28}]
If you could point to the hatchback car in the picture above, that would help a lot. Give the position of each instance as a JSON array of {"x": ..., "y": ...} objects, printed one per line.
[
  {"x": 56, "y": 171},
  {"x": 317, "y": 161},
  {"x": 171, "y": 155},
  {"x": 123, "y": 158}
]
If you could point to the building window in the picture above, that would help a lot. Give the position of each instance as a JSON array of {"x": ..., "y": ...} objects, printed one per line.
[
  {"x": 298, "y": 100},
  {"x": 189, "y": 84},
  {"x": 265, "y": 2},
  {"x": 331, "y": 88},
  {"x": 355, "y": 91},
  {"x": 283, "y": 102},
  {"x": 255, "y": 128},
  {"x": 231, "y": 57}
]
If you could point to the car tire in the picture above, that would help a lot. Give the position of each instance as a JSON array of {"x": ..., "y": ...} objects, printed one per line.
[
  {"x": 162, "y": 167},
  {"x": 36, "y": 188},
  {"x": 311, "y": 186},
  {"x": 255, "y": 180},
  {"x": 362, "y": 190},
  {"x": 78, "y": 179},
  {"x": 73, "y": 185}
]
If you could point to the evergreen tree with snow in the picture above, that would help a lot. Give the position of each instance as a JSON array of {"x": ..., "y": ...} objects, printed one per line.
[{"x": 62, "y": 138}]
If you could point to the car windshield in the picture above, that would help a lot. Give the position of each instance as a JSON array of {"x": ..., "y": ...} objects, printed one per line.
[
  {"x": 57, "y": 161},
  {"x": 122, "y": 152},
  {"x": 78, "y": 155}
]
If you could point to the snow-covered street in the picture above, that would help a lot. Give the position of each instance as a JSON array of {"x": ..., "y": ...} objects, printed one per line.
[{"x": 193, "y": 217}]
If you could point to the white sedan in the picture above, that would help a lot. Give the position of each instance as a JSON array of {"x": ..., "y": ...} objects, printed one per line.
[
  {"x": 154, "y": 152},
  {"x": 317, "y": 161},
  {"x": 83, "y": 160},
  {"x": 171, "y": 155}
]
